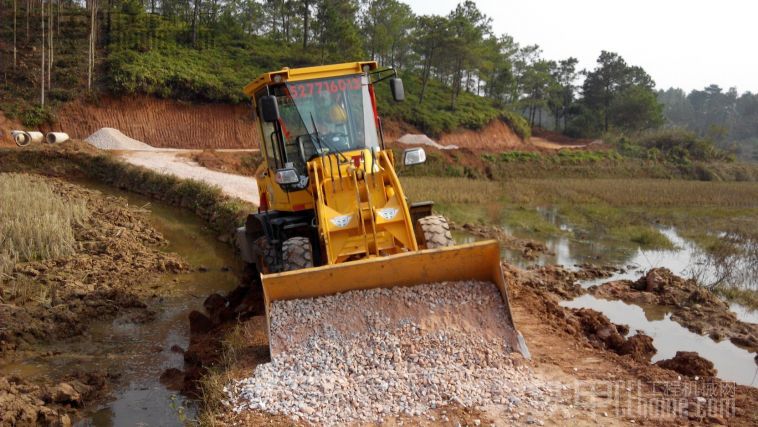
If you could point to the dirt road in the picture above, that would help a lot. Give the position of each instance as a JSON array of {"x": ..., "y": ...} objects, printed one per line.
[{"x": 174, "y": 163}]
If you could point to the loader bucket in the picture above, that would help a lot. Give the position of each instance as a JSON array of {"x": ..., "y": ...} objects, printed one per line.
[{"x": 474, "y": 261}]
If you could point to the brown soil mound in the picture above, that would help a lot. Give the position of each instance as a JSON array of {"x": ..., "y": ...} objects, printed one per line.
[
  {"x": 496, "y": 136},
  {"x": 118, "y": 253},
  {"x": 692, "y": 306},
  {"x": 689, "y": 363},
  {"x": 598, "y": 329},
  {"x": 640, "y": 347},
  {"x": 240, "y": 163},
  {"x": 27, "y": 404},
  {"x": 163, "y": 123},
  {"x": 558, "y": 280}
]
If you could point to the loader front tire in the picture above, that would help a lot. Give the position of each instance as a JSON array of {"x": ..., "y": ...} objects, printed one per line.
[
  {"x": 433, "y": 232},
  {"x": 265, "y": 255},
  {"x": 297, "y": 254}
]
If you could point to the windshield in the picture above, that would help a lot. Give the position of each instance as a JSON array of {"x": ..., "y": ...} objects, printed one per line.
[{"x": 326, "y": 115}]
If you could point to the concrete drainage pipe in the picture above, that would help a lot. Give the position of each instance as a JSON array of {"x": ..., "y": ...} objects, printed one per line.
[
  {"x": 56, "y": 137},
  {"x": 21, "y": 138}
]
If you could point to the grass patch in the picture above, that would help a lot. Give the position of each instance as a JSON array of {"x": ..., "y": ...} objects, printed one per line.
[
  {"x": 645, "y": 236},
  {"x": 35, "y": 222},
  {"x": 745, "y": 297},
  {"x": 530, "y": 220}
]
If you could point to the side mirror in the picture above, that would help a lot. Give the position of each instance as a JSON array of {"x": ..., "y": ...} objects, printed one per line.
[
  {"x": 396, "y": 86},
  {"x": 269, "y": 108},
  {"x": 414, "y": 156}
]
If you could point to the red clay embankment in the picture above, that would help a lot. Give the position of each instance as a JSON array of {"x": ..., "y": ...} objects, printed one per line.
[{"x": 163, "y": 123}]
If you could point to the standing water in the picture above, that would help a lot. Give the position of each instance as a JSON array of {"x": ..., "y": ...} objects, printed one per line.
[{"x": 140, "y": 352}]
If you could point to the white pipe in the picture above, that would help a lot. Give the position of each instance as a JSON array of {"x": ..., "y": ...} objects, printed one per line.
[
  {"x": 35, "y": 137},
  {"x": 21, "y": 138},
  {"x": 56, "y": 137}
]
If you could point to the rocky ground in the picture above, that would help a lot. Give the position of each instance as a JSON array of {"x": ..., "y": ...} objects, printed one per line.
[
  {"x": 429, "y": 346},
  {"x": 596, "y": 372},
  {"x": 118, "y": 255}
]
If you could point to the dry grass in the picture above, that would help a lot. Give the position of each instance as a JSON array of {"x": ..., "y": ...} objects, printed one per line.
[
  {"x": 635, "y": 192},
  {"x": 613, "y": 192},
  {"x": 35, "y": 222}
]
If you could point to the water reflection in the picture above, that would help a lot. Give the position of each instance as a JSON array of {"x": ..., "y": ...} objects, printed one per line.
[{"x": 732, "y": 362}]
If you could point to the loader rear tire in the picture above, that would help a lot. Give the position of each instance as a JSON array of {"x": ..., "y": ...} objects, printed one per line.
[
  {"x": 297, "y": 254},
  {"x": 265, "y": 255},
  {"x": 433, "y": 232}
]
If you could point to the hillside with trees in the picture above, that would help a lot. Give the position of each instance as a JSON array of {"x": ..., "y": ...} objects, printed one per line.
[
  {"x": 458, "y": 72},
  {"x": 726, "y": 117}
]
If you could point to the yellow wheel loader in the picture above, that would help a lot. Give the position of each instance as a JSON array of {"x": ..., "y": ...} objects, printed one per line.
[{"x": 333, "y": 216}]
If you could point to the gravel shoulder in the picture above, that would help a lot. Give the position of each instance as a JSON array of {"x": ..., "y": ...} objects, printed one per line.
[{"x": 174, "y": 163}]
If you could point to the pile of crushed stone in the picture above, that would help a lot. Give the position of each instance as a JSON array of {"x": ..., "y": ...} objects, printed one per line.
[
  {"x": 421, "y": 139},
  {"x": 113, "y": 139},
  {"x": 363, "y": 356}
]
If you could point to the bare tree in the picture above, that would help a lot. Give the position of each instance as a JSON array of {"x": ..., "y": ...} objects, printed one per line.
[
  {"x": 195, "y": 23},
  {"x": 50, "y": 27},
  {"x": 92, "y": 35},
  {"x": 42, "y": 68},
  {"x": 15, "y": 10},
  {"x": 306, "y": 18}
]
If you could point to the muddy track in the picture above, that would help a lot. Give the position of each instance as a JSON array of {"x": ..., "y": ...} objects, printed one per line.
[{"x": 117, "y": 257}]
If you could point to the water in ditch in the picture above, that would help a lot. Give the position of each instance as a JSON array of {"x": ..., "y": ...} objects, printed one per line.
[
  {"x": 140, "y": 352},
  {"x": 685, "y": 259},
  {"x": 732, "y": 363}
]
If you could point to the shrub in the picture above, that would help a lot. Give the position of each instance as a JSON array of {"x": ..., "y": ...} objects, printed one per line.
[{"x": 518, "y": 123}]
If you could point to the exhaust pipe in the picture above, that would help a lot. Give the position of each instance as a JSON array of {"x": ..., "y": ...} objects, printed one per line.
[{"x": 56, "y": 137}]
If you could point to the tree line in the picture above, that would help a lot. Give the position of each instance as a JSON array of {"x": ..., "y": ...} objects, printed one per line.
[
  {"x": 458, "y": 51},
  {"x": 724, "y": 116}
]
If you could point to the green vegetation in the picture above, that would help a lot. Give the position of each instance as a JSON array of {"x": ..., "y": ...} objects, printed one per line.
[
  {"x": 35, "y": 222},
  {"x": 723, "y": 116},
  {"x": 745, "y": 297},
  {"x": 624, "y": 210}
]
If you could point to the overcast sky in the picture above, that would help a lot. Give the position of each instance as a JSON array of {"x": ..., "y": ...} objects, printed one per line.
[{"x": 681, "y": 43}]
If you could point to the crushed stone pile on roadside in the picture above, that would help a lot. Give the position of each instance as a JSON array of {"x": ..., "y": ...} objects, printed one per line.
[
  {"x": 113, "y": 139},
  {"x": 363, "y": 356}
]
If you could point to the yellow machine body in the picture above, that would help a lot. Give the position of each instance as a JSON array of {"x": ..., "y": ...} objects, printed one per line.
[{"x": 364, "y": 223}]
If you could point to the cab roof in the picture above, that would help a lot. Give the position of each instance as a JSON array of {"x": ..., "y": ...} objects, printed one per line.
[{"x": 307, "y": 73}]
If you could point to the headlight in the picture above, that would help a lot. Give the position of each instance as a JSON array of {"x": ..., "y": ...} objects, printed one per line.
[{"x": 287, "y": 176}]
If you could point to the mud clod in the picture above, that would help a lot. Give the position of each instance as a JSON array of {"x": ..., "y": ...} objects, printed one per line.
[
  {"x": 640, "y": 347},
  {"x": 689, "y": 363}
]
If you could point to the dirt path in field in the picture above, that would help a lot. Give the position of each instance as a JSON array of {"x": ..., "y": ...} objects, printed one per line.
[{"x": 176, "y": 163}]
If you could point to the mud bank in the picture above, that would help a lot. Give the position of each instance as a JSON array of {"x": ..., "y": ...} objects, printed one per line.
[
  {"x": 112, "y": 273},
  {"x": 691, "y": 305},
  {"x": 117, "y": 254}
]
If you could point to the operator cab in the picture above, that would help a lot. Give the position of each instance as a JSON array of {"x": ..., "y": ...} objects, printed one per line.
[{"x": 304, "y": 118}]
